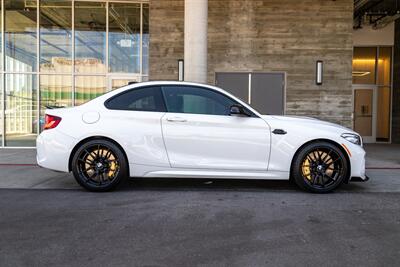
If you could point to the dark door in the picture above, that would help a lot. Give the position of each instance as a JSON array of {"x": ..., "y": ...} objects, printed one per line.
[
  {"x": 263, "y": 91},
  {"x": 235, "y": 83},
  {"x": 267, "y": 93}
]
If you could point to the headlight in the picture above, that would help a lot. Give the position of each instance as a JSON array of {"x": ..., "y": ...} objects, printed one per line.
[{"x": 352, "y": 138}]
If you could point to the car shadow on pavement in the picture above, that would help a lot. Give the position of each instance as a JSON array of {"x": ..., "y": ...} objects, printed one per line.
[{"x": 187, "y": 184}]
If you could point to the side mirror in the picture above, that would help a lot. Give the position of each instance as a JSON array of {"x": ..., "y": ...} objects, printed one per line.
[{"x": 237, "y": 110}]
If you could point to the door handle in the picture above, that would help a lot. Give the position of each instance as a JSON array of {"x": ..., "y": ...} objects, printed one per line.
[
  {"x": 279, "y": 131},
  {"x": 176, "y": 119}
]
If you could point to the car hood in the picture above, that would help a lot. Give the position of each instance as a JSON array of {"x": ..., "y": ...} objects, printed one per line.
[{"x": 308, "y": 121}]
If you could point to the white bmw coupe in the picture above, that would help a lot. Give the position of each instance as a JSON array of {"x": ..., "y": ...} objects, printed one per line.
[{"x": 180, "y": 129}]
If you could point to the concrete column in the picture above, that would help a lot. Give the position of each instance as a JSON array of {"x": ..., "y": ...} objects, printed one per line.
[{"x": 196, "y": 17}]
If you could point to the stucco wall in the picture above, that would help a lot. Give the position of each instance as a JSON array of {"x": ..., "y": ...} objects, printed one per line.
[{"x": 269, "y": 35}]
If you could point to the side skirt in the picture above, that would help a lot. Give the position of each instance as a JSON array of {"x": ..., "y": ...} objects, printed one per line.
[{"x": 160, "y": 172}]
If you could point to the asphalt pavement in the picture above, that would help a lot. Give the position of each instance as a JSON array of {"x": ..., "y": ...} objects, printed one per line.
[
  {"x": 46, "y": 219},
  {"x": 198, "y": 225}
]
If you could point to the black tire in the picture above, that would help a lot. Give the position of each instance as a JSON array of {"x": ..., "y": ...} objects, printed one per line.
[
  {"x": 319, "y": 167},
  {"x": 99, "y": 166}
]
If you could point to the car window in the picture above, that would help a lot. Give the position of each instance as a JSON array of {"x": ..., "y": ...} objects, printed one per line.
[
  {"x": 196, "y": 100},
  {"x": 139, "y": 99}
]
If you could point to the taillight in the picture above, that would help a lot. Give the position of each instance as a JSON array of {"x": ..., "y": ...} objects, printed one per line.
[{"x": 51, "y": 122}]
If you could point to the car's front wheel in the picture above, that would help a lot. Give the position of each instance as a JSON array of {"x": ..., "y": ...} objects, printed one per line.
[
  {"x": 319, "y": 167},
  {"x": 99, "y": 165}
]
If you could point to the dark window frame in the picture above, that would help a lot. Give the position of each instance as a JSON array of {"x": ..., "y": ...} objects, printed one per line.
[
  {"x": 160, "y": 96},
  {"x": 252, "y": 114}
]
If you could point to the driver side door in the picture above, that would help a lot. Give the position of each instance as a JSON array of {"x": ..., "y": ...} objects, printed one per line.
[{"x": 200, "y": 133}]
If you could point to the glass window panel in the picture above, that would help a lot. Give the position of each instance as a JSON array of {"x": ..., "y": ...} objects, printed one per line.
[
  {"x": 146, "y": 42},
  {"x": 90, "y": 37},
  {"x": 124, "y": 37},
  {"x": 20, "y": 110},
  {"x": 55, "y": 36},
  {"x": 194, "y": 100},
  {"x": 55, "y": 91},
  {"x": 1, "y": 50},
  {"x": 120, "y": 82},
  {"x": 383, "y": 115},
  {"x": 88, "y": 87},
  {"x": 20, "y": 35},
  {"x": 1, "y": 112},
  {"x": 385, "y": 66},
  {"x": 141, "y": 99},
  {"x": 364, "y": 62}
]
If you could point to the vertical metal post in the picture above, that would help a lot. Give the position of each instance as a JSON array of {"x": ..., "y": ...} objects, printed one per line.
[
  {"x": 107, "y": 48},
  {"x": 181, "y": 70},
  {"x": 391, "y": 92},
  {"x": 141, "y": 43},
  {"x": 3, "y": 87},
  {"x": 37, "y": 66},
  {"x": 73, "y": 55},
  {"x": 249, "y": 89}
]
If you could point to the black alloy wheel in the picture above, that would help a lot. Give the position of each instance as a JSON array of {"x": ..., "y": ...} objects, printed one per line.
[
  {"x": 319, "y": 167},
  {"x": 99, "y": 165}
]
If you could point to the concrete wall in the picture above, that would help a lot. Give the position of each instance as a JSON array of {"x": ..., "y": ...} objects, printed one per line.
[
  {"x": 166, "y": 38},
  {"x": 269, "y": 35},
  {"x": 396, "y": 87}
]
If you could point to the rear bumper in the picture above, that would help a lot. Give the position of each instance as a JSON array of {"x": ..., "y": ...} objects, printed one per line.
[{"x": 53, "y": 150}]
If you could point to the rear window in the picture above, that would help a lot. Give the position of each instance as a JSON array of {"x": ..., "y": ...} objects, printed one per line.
[{"x": 138, "y": 99}]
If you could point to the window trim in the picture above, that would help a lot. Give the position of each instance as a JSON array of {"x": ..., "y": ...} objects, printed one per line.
[{"x": 163, "y": 104}]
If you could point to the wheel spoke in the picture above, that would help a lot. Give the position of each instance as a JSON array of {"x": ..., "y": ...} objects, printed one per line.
[
  {"x": 327, "y": 156},
  {"x": 320, "y": 153},
  {"x": 108, "y": 154},
  {"x": 309, "y": 158},
  {"x": 329, "y": 177},
  {"x": 314, "y": 178},
  {"x": 315, "y": 154},
  {"x": 86, "y": 161},
  {"x": 333, "y": 169},
  {"x": 101, "y": 178}
]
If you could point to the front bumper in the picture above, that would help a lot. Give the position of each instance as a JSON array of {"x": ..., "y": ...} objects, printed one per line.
[
  {"x": 359, "y": 179},
  {"x": 357, "y": 163}
]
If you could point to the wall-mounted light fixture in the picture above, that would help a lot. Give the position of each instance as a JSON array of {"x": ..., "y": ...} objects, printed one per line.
[
  {"x": 319, "y": 72},
  {"x": 181, "y": 70}
]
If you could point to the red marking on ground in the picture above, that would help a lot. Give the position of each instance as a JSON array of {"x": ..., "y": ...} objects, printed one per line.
[
  {"x": 16, "y": 164},
  {"x": 382, "y": 168}
]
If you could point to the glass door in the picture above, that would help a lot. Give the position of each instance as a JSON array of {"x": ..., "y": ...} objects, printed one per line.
[
  {"x": 115, "y": 82},
  {"x": 365, "y": 112}
]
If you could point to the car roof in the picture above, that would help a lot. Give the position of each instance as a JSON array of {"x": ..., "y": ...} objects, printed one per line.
[{"x": 160, "y": 83}]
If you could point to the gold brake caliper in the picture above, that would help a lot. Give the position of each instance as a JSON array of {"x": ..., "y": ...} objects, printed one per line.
[
  {"x": 306, "y": 169},
  {"x": 113, "y": 167}
]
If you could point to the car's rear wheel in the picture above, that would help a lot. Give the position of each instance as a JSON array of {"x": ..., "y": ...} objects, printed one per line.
[
  {"x": 99, "y": 165},
  {"x": 319, "y": 167}
]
